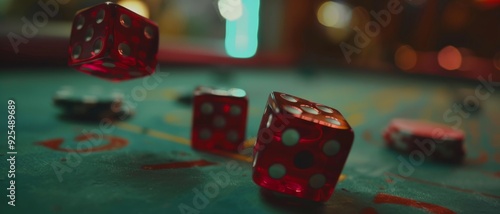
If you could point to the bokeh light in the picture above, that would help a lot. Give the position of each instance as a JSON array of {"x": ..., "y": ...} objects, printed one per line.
[
  {"x": 334, "y": 14},
  {"x": 450, "y": 58},
  {"x": 488, "y": 4},
  {"x": 405, "y": 57},
  {"x": 138, "y": 7},
  {"x": 230, "y": 9},
  {"x": 242, "y": 34}
]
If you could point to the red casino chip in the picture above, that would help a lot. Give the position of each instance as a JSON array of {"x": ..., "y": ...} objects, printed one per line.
[{"x": 436, "y": 140}]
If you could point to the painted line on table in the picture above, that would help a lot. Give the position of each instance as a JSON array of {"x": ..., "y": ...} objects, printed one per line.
[
  {"x": 249, "y": 142},
  {"x": 153, "y": 133},
  {"x": 235, "y": 156},
  {"x": 164, "y": 95},
  {"x": 184, "y": 141},
  {"x": 356, "y": 119},
  {"x": 166, "y": 136},
  {"x": 384, "y": 100},
  {"x": 170, "y": 94},
  {"x": 443, "y": 185},
  {"x": 176, "y": 139},
  {"x": 342, "y": 177},
  {"x": 129, "y": 127},
  {"x": 383, "y": 198}
]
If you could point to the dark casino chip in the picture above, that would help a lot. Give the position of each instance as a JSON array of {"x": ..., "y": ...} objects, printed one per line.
[
  {"x": 185, "y": 99},
  {"x": 91, "y": 103}
]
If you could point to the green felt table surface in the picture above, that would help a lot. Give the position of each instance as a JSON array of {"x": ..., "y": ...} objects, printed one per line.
[{"x": 59, "y": 171}]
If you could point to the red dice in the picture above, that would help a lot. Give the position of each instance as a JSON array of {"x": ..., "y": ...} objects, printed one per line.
[
  {"x": 112, "y": 42},
  {"x": 219, "y": 119},
  {"x": 301, "y": 147}
]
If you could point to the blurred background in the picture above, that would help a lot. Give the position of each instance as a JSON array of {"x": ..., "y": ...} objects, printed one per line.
[{"x": 451, "y": 38}]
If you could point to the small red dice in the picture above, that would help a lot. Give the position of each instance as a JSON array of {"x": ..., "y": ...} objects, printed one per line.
[
  {"x": 219, "y": 119},
  {"x": 301, "y": 147},
  {"x": 425, "y": 139},
  {"x": 112, "y": 42}
]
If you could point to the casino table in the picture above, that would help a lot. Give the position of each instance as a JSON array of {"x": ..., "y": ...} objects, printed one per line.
[{"x": 144, "y": 164}]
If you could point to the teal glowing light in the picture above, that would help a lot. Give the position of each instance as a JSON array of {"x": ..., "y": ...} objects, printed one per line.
[{"x": 241, "y": 34}]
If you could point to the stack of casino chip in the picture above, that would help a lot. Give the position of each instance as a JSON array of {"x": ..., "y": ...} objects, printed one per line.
[
  {"x": 428, "y": 139},
  {"x": 91, "y": 103}
]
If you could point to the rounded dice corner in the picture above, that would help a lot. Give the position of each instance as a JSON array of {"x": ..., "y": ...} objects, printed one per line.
[{"x": 307, "y": 176}]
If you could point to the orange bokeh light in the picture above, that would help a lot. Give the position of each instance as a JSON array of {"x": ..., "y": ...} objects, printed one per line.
[
  {"x": 450, "y": 58},
  {"x": 405, "y": 57}
]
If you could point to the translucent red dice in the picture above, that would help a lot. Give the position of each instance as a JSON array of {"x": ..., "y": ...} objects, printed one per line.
[
  {"x": 112, "y": 42},
  {"x": 301, "y": 147},
  {"x": 219, "y": 119}
]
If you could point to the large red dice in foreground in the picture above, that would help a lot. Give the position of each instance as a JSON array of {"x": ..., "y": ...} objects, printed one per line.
[
  {"x": 112, "y": 42},
  {"x": 301, "y": 147},
  {"x": 219, "y": 119}
]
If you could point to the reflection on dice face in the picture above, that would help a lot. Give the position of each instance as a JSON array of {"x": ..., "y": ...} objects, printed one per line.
[
  {"x": 301, "y": 147},
  {"x": 112, "y": 42},
  {"x": 219, "y": 118}
]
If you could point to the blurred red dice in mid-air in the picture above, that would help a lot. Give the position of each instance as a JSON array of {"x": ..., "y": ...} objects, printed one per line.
[
  {"x": 112, "y": 42},
  {"x": 219, "y": 119},
  {"x": 301, "y": 147}
]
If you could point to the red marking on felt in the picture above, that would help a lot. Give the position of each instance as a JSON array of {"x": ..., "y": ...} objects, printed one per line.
[
  {"x": 488, "y": 3},
  {"x": 113, "y": 143},
  {"x": 481, "y": 159},
  {"x": 492, "y": 174},
  {"x": 382, "y": 198},
  {"x": 444, "y": 186},
  {"x": 496, "y": 174},
  {"x": 369, "y": 210},
  {"x": 52, "y": 144},
  {"x": 177, "y": 165}
]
